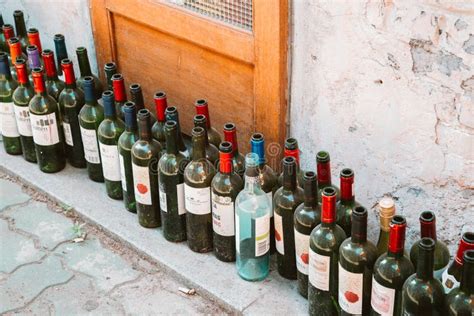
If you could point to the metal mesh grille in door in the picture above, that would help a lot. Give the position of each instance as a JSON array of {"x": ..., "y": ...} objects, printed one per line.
[{"x": 235, "y": 12}]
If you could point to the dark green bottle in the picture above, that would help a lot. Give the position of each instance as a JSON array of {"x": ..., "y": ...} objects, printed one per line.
[
  {"x": 460, "y": 301},
  {"x": 85, "y": 69},
  {"x": 268, "y": 179},
  {"x": 54, "y": 86},
  {"x": 323, "y": 266},
  {"x": 230, "y": 135},
  {"x": 422, "y": 294},
  {"x": 197, "y": 194},
  {"x": 357, "y": 256},
  {"x": 202, "y": 108},
  {"x": 323, "y": 166},
  {"x": 46, "y": 125},
  {"x": 171, "y": 185},
  {"x": 145, "y": 156},
  {"x": 390, "y": 272},
  {"x": 20, "y": 28},
  {"x": 452, "y": 275},
  {"x": 3, "y": 42},
  {"x": 110, "y": 69},
  {"x": 21, "y": 98},
  {"x": 212, "y": 153},
  {"x": 158, "y": 127},
  {"x": 347, "y": 203},
  {"x": 171, "y": 114},
  {"x": 225, "y": 186},
  {"x": 90, "y": 117},
  {"x": 109, "y": 133},
  {"x": 125, "y": 143},
  {"x": 61, "y": 51},
  {"x": 71, "y": 101},
  {"x": 136, "y": 96},
  {"x": 307, "y": 217},
  {"x": 118, "y": 84},
  {"x": 15, "y": 53},
  {"x": 292, "y": 150},
  {"x": 10, "y": 134},
  {"x": 285, "y": 201}
]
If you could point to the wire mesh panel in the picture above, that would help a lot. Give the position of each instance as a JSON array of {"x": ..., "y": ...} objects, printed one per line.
[{"x": 234, "y": 12}]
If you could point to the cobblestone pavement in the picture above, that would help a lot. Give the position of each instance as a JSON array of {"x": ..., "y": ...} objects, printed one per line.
[{"x": 48, "y": 267}]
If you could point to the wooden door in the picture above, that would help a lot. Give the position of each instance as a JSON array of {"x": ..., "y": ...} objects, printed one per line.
[{"x": 242, "y": 73}]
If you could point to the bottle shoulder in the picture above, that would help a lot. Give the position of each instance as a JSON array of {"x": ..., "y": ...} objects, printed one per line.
[
  {"x": 358, "y": 253},
  {"x": 127, "y": 139},
  {"x": 227, "y": 184},
  {"x": 41, "y": 105},
  {"x": 287, "y": 199},
  {"x": 199, "y": 173},
  {"x": 70, "y": 98},
  {"x": 307, "y": 216},
  {"x": 327, "y": 239},
  {"x": 111, "y": 129},
  {"x": 417, "y": 288},
  {"x": 23, "y": 95}
]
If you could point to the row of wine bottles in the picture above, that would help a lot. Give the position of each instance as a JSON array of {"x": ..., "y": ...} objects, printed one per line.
[{"x": 217, "y": 200}]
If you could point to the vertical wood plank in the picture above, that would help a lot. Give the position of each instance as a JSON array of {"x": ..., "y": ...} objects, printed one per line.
[{"x": 102, "y": 33}]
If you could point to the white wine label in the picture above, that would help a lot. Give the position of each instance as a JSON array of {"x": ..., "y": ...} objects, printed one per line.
[
  {"x": 319, "y": 270},
  {"x": 141, "y": 183},
  {"x": 45, "y": 129},
  {"x": 449, "y": 282},
  {"x": 301, "y": 251},
  {"x": 237, "y": 232},
  {"x": 68, "y": 134},
  {"x": 181, "y": 203},
  {"x": 383, "y": 299},
  {"x": 91, "y": 149},
  {"x": 279, "y": 238},
  {"x": 438, "y": 274},
  {"x": 350, "y": 291},
  {"x": 22, "y": 115},
  {"x": 162, "y": 196},
  {"x": 270, "y": 197},
  {"x": 262, "y": 235},
  {"x": 7, "y": 115},
  {"x": 110, "y": 162},
  {"x": 123, "y": 179},
  {"x": 197, "y": 200},
  {"x": 222, "y": 215}
]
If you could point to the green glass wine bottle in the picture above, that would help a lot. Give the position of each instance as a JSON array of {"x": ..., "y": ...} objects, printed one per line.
[
  {"x": 90, "y": 117},
  {"x": 71, "y": 101},
  {"x": 452, "y": 275},
  {"x": 20, "y": 28},
  {"x": 61, "y": 51},
  {"x": 460, "y": 301},
  {"x": 225, "y": 186},
  {"x": 347, "y": 203},
  {"x": 357, "y": 256},
  {"x": 158, "y": 127},
  {"x": 110, "y": 69},
  {"x": 109, "y": 133},
  {"x": 125, "y": 143},
  {"x": 390, "y": 272},
  {"x": 422, "y": 294},
  {"x": 291, "y": 149},
  {"x": 441, "y": 253},
  {"x": 10, "y": 134},
  {"x": 45, "y": 117},
  {"x": 323, "y": 268},
  {"x": 54, "y": 86},
  {"x": 171, "y": 186},
  {"x": 197, "y": 194},
  {"x": 323, "y": 167},
  {"x": 3, "y": 42},
  {"x": 386, "y": 210},
  {"x": 230, "y": 135},
  {"x": 171, "y": 114},
  {"x": 268, "y": 179},
  {"x": 307, "y": 217},
  {"x": 85, "y": 69},
  {"x": 8, "y": 32},
  {"x": 136, "y": 96},
  {"x": 21, "y": 98},
  {"x": 119, "y": 92},
  {"x": 15, "y": 53},
  {"x": 145, "y": 156},
  {"x": 285, "y": 201},
  {"x": 202, "y": 108},
  {"x": 212, "y": 153}
]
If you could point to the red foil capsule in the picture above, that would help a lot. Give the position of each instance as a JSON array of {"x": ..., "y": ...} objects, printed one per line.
[
  {"x": 161, "y": 104},
  {"x": 15, "y": 48},
  {"x": 49, "y": 64},
  {"x": 347, "y": 182},
  {"x": 428, "y": 225},
  {"x": 68, "y": 70},
  {"x": 38, "y": 80},
  {"x": 8, "y": 31},
  {"x": 225, "y": 160},
  {"x": 396, "y": 238},
  {"x": 34, "y": 38},
  {"x": 118, "y": 85},
  {"x": 203, "y": 109},
  {"x": 328, "y": 207},
  {"x": 21, "y": 71},
  {"x": 466, "y": 243},
  {"x": 230, "y": 135}
]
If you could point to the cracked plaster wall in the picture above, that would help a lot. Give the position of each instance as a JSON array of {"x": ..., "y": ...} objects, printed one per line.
[{"x": 387, "y": 87}]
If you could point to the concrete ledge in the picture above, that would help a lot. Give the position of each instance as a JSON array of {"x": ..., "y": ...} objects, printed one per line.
[{"x": 214, "y": 279}]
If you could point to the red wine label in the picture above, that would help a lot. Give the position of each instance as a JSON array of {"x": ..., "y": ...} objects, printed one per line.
[
  {"x": 22, "y": 115},
  {"x": 382, "y": 299},
  {"x": 319, "y": 270},
  {"x": 91, "y": 149},
  {"x": 197, "y": 200},
  {"x": 262, "y": 235},
  {"x": 222, "y": 215},
  {"x": 141, "y": 183},
  {"x": 449, "y": 282},
  {"x": 8, "y": 121},
  {"x": 301, "y": 250},
  {"x": 68, "y": 134},
  {"x": 270, "y": 197},
  {"x": 162, "y": 196},
  {"x": 279, "y": 242},
  {"x": 45, "y": 129},
  {"x": 110, "y": 162},
  {"x": 122, "y": 173},
  {"x": 181, "y": 203},
  {"x": 350, "y": 291}
]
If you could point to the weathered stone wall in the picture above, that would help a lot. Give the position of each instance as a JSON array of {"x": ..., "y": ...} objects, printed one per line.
[{"x": 387, "y": 87}]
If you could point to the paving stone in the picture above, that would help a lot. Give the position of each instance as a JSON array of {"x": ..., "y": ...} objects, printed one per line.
[
  {"x": 51, "y": 228},
  {"x": 105, "y": 267},
  {"x": 11, "y": 194},
  {"x": 29, "y": 281},
  {"x": 15, "y": 249}
]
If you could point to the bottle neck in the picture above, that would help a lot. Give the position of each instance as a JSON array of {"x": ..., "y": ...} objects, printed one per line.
[
  {"x": 5, "y": 69},
  {"x": 144, "y": 129},
  {"x": 463, "y": 246},
  {"x": 328, "y": 210},
  {"x": 310, "y": 193},
  {"x": 130, "y": 118},
  {"x": 293, "y": 153},
  {"x": 204, "y": 110},
  {"x": 467, "y": 279},
  {"x": 60, "y": 47},
  {"x": 173, "y": 116},
  {"x": 204, "y": 126},
  {"x": 252, "y": 181},
  {"x": 15, "y": 51},
  {"x": 324, "y": 173},
  {"x": 258, "y": 147},
  {"x": 199, "y": 147},
  {"x": 160, "y": 108},
  {"x": 231, "y": 137},
  {"x": 84, "y": 65},
  {"x": 38, "y": 82},
  {"x": 69, "y": 77},
  {"x": 34, "y": 59},
  {"x": 20, "y": 25},
  {"x": 396, "y": 240},
  {"x": 22, "y": 75},
  {"x": 171, "y": 137},
  {"x": 89, "y": 95},
  {"x": 289, "y": 176},
  {"x": 428, "y": 229},
  {"x": 424, "y": 268},
  {"x": 347, "y": 193},
  {"x": 109, "y": 72},
  {"x": 136, "y": 97},
  {"x": 225, "y": 163},
  {"x": 119, "y": 90},
  {"x": 50, "y": 67},
  {"x": 109, "y": 109},
  {"x": 34, "y": 39},
  {"x": 359, "y": 229}
]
